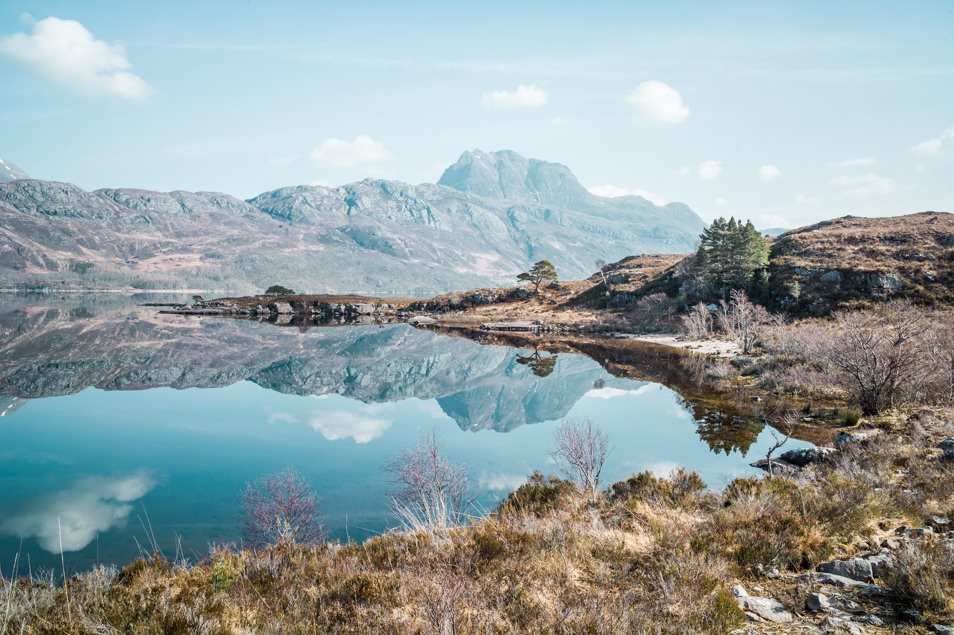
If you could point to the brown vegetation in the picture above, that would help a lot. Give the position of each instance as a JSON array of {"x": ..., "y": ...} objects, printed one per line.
[{"x": 650, "y": 555}]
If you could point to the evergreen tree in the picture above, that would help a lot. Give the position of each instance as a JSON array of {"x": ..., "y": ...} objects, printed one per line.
[
  {"x": 540, "y": 272},
  {"x": 731, "y": 255}
]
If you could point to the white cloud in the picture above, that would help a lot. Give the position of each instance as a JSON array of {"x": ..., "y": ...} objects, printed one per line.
[
  {"x": 338, "y": 153},
  {"x": 609, "y": 392},
  {"x": 78, "y": 514},
  {"x": 685, "y": 170},
  {"x": 659, "y": 102},
  {"x": 769, "y": 173},
  {"x": 525, "y": 96},
  {"x": 612, "y": 191},
  {"x": 721, "y": 202},
  {"x": 65, "y": 52},
  {"x": 501, "y": 481},
  {"x": 559, "y": 121},
  {"x": 709, "y": 170},
  {"x": 864, "y": 185},
  {"x": 340, "y": 424},
  {"x": 932, "y": 147},
  {"x": 852, "y": 163}
]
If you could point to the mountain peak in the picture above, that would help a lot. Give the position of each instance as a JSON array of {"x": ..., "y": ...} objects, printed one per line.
[
  {"x": 507, "y": 174},
  {"x": 10, "y": 172}
]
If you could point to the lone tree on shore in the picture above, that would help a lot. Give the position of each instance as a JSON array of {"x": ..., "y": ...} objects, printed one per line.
[
  {"x": 277, "y": 289},
  {"x": 540, "y": 272}
]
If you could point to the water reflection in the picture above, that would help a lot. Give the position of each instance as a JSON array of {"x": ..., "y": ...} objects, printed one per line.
[
  {"x": 74, "y": 516},
  {"x": 334, "y": 403}
]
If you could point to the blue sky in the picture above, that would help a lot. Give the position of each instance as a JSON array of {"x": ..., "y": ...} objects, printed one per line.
[{"x": 786, "y": 113}]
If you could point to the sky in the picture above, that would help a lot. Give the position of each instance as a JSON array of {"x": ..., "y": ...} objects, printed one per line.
[{"x": 783, "y": 112}]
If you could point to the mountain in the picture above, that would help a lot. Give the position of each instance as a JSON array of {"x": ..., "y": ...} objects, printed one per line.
[
  {"x": 489, "y": 218},
  {"x": 10, "y": 172},
  {"x": 774, "y": 231}
]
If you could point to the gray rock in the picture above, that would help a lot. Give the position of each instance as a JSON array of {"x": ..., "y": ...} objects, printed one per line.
[
  {"x": 880, "y": 563},
  {"x": 874, "y": 620},
  {"x": 942, "y": 629},
  {"x": 832, "y": 277},
  {"x": 948, "y": 455},
  {"x": 806, "y": 456},
  {"x": 841, "y": 582},
  {"x": 281, "y": 308},
  {"x": 766, "y": 608},
  {"x": 738, "y": 591},
  {"x": 818, "y": 602},
  {"x": 856, "y": 569},
  {"x": 946, "y": 444}
]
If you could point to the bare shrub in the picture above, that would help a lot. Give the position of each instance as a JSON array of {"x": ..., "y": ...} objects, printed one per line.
[
  {"x": 653, "y": 312},
  {"x": 281, "y": 508},
  {"x": 923, "y": 575},
  {"x": 742, "y": 319},
  {"x": 580, "y": 451},
  {"x": 698, "y": 322},
  {"x": 878, "y": 353},
  {"x": 429, "y": 491}
]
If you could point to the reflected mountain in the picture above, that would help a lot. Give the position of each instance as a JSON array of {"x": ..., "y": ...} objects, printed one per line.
[{"x": 48, "y": 352}]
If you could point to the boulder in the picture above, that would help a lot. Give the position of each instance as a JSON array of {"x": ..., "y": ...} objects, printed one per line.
[
  {"x": 855, "y": 568},
  {"x": 806, "y": 456},
  {"x": 832, "y": 277},
  {"x": 818, "y": 602},
  {"x": 766, "y": 608},
  {"x": 281, "y": 308},
  {"x": 946, "y": 444}
]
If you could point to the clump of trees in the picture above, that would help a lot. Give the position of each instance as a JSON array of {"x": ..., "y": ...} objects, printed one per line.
[
  {"x": 277, "y": 289},
  {"x": 542, "y": 271},
  {"x": 732, "y": 255}
]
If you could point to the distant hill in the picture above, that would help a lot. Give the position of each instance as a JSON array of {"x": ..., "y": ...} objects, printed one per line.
[
  {"x": 489, "y": 218},
  {"x": 10, "y": 172},
  {"x": 773, "y": 231}
]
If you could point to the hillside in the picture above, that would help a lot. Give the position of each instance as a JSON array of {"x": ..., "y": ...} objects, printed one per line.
[
  {"x": 377, "y": 237},
  {"x": 851, "y": 260}
]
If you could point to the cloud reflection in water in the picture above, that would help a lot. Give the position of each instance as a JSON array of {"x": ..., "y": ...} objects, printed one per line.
[{"x": 91, "y": 506}]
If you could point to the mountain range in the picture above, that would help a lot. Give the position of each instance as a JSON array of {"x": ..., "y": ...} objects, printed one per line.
[{"x": 488, "y": 218}]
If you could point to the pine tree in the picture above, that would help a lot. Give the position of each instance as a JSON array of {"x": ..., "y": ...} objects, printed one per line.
[
  {"x": 730, "y": 255},
  {"x": 540, "y": 272}
]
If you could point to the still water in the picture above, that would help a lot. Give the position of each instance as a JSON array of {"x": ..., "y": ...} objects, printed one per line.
[{"x": 119, "y": 424}]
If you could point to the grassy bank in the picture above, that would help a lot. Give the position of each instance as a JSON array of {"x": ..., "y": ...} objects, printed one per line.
[{"x": 648, "y": 555}]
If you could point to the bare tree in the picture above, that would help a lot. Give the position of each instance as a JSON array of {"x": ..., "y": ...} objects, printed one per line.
[
  {"x": 601, "y": 265},
  {"x": 741, "y": 319},
  {"x": 281, "y": 508},
  {"x": 429, "y": 491},
  {"x": 580, "y": 451},
  {"x": 780, "y": 437},
  {"x": 879, "y": 353}
]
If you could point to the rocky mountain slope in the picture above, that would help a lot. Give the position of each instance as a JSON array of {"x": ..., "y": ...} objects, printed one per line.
[
  {"x": 489, "y": 218},
  {"x": 10, "y": 172}
]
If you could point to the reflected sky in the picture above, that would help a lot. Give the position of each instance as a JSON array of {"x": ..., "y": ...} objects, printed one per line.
[{"x": 101, "y": 460}]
